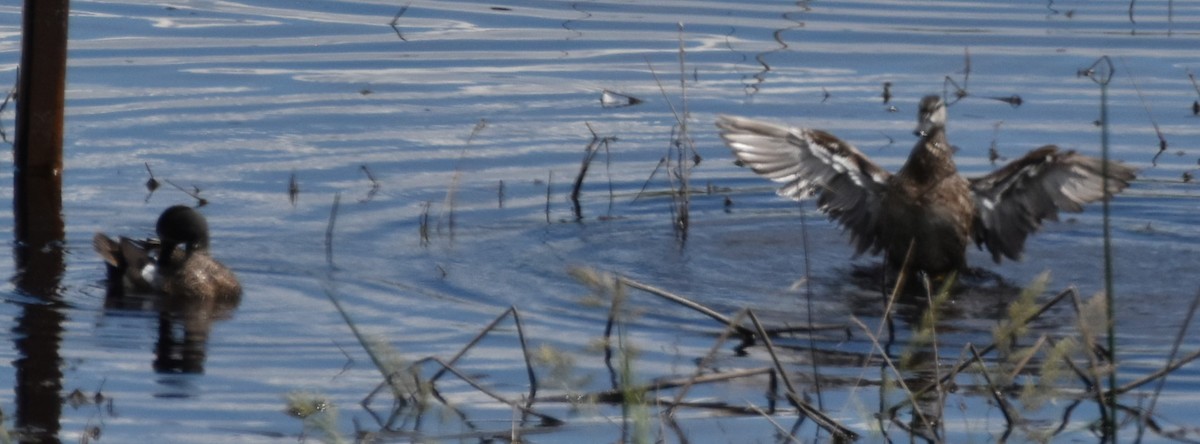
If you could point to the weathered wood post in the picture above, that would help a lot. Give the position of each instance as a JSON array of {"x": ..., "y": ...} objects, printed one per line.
[
  {"x": 37, "y": 216},
  {"x": 41, "y": 94},
  {"x": 39, "y": 127}
]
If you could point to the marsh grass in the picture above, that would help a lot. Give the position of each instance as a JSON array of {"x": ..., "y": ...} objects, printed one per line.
[
  {"x": 317, "y": 413},
  {"x": 560, "y": 369},
  {"x": 635, "y": 416},
  {"x": 589, "y": 154},
  {"x": 1025, "y": 373},
  {"x": 1102, "y": 73},
  {"x": 446, "y": 219},
  {"x": 681, "y": 155},
  {"x": 1028, "y": 373}
]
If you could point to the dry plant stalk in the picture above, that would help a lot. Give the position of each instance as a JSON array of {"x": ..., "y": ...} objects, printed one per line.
[
  {"x": 452, "y": 192},
  {"x": 589, "y": 154}
]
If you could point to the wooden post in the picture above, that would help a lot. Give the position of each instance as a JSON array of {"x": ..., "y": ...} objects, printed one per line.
[
  {"x": 39, "y": 126},
  {"x": 37, "y": 217}
]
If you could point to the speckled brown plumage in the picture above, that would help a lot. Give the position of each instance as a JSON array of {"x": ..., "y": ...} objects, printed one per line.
[
  {"x": 178, "y": 265},
  {"x": 926, "y": 205}
]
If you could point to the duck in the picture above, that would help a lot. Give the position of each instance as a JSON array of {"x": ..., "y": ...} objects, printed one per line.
[
  {"x": 177, "y": 265},
  {"x": 923, "y": 217}
]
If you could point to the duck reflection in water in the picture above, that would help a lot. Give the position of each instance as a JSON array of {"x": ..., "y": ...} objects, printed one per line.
[
  {"x": 925, "y": 207},
  {"x": 176, "y": 276}
]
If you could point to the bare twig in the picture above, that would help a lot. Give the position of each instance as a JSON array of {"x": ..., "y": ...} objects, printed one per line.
[
  {"x": 374, "y": 184},
  {"x": 743, "y": 331},
  {"x": 423, "y": 229},
  {"x": 396, "y": 20},
  {"x": 1010, "y": 415},
  {"x": 549, "y": 182},
  {"x": 349, "y": 360},
  {"x": 704, "y": 362},
  {"x": 546, "y": 419},
  {"x": 533, "y": 383},
  {"x": 612, "y": 194},
  {"x": 331, "y": 293},
  {"x": 808, "y": 296},
  {"x": 1195, "y": 103},
  {"x": 1186, "y": 359},
  {"x": 293, "y": 189},
  {"x": 1183, "y": 328},
  {"x": 511, "y": 311},
  {"x": 194, "y": 192},
  {"x": 993, "y": 153},
  {"x": 1093, "y": 371},
  {"x": 589, "y": 153},
  {"x": 911, "y": 395},
  {"x": 681, "y": 144},
  {"x": 779, "y": 429},
  {"x": 10, "y": 97},
  {"x": 960, "y": 92},
  {"x": 337, "y": 198},
  {"x": 1019, "y": 366},
  {"x": 452, "y": 192},
  {"x": 618, "y": 395},
  {"x": 1162, "y": 140},
  {"x": 829, "y": 424},
  {"x": 1107, "y": 403},
  {"x": 500, "y": 194},
  {"x": 901, "y": 282},
  {"x": 661, "y": 161},
  {"x": 614, "y": 310}
]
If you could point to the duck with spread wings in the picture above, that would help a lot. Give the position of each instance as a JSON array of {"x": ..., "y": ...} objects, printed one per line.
[{"x": 926, "y": 206}]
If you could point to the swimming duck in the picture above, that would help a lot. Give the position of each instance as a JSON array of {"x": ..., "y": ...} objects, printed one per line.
[
  {"x": 177, "y": 265},
  {"x": 926, "y": 204}
]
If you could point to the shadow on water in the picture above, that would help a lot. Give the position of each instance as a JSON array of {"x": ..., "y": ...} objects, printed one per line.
[
  {"x": 183, "y": 331},
  {"x": 40, "y": 266},
  {"x": 184, "y": 325},
  {"x": 37, "y": 335}
]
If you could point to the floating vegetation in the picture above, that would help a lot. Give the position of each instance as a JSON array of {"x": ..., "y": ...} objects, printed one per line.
[
  {"x": 612, "y": 99},
  {"x": 318, "y": 415}
]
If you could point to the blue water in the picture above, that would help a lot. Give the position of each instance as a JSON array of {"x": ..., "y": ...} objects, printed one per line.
[{"x": 236, "y": 98}]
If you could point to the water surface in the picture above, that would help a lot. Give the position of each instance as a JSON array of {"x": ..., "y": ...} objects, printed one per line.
[{"x": 497, "y": 102}]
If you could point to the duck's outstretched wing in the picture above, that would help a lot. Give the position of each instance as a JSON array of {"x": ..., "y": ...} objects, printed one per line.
[
  {"x": 1012, "y": 202},
  {"x": 810, "y": 162}
]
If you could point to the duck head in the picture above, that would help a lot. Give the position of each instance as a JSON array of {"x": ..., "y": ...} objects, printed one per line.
[
  {"x": 931, "y": 116},
  {"x": 181, "y": 225}
]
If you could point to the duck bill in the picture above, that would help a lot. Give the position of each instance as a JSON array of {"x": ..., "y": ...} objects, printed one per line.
[{"x": 924, "y": 127}]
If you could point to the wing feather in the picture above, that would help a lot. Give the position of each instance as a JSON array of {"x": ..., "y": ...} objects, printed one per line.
[
  {"x": 1012, "y": 202},
  {"x": 808, "y": 162}
]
